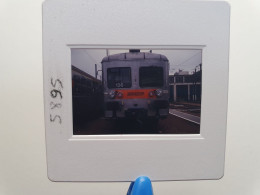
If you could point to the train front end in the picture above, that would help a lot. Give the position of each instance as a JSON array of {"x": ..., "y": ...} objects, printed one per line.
[{"x": 136, "y": 85}]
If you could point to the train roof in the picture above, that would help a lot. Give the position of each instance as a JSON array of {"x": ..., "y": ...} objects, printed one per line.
[
  {"x": 82, "y": 73},
  {"x": 134, "y": 56}
]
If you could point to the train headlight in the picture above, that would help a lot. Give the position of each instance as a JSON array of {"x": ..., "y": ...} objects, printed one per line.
[
  {"x": 112, "y": 94},
  {"x": 158, "y": 92},
  {"x": 151, "y": 93},
  {"x": 119, "y": 94}
]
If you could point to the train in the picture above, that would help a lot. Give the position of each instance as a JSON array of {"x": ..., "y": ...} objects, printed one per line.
[
  {"x": 87, "y": 96},
  {"x": 136, "y": 85}
]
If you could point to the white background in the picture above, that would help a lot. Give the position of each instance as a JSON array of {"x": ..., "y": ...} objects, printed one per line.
[{"x": 23, "y": 167}]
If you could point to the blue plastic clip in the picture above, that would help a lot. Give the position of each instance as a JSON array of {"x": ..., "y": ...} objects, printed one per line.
[{"x": 141, "y": 186}]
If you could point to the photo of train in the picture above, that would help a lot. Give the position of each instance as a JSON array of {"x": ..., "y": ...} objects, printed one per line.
[
  {"x": 135, "y": 85},
  {"x": 133, "y": 91}
]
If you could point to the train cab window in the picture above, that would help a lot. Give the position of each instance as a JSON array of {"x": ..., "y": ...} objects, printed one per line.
[
  {"x": 151, "y": 76},
  {"x": 119, "y": 77}
]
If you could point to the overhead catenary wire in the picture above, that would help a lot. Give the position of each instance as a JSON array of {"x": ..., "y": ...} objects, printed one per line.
[{"x": 182, "y": 63}]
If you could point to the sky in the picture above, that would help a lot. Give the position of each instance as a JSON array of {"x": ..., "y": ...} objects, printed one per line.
[{"x": 185, "y": 60}]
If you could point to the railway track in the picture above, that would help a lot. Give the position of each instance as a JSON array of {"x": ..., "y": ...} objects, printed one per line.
[
  {"x": 185, "y": 116},
  {"x": 173, "y": 124}
]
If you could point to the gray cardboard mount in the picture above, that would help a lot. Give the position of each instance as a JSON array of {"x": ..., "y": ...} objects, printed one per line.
[{"x": 135, "y": 24}]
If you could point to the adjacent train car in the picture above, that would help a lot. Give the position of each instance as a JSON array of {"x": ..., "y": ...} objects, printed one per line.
[
  {"x": 87, "y": 96},
  {"x": 136, "y": 85}
]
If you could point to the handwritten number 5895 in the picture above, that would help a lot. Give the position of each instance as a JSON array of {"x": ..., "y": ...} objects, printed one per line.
[{"x": 56, "y": 90}]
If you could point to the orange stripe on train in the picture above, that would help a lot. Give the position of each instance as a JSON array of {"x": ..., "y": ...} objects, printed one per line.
[{"x": 135, "y": 94}]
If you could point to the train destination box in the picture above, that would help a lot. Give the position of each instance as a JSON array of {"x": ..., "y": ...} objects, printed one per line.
[{"x": 135, "y": 89}]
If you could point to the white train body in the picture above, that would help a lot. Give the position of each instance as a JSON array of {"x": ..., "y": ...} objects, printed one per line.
[{"x": 136, "y": 85}]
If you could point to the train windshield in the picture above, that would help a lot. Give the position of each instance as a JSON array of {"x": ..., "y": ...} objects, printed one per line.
[
  {"x": 119, "y": 77},
  {"x": 151, "y": 76}
]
